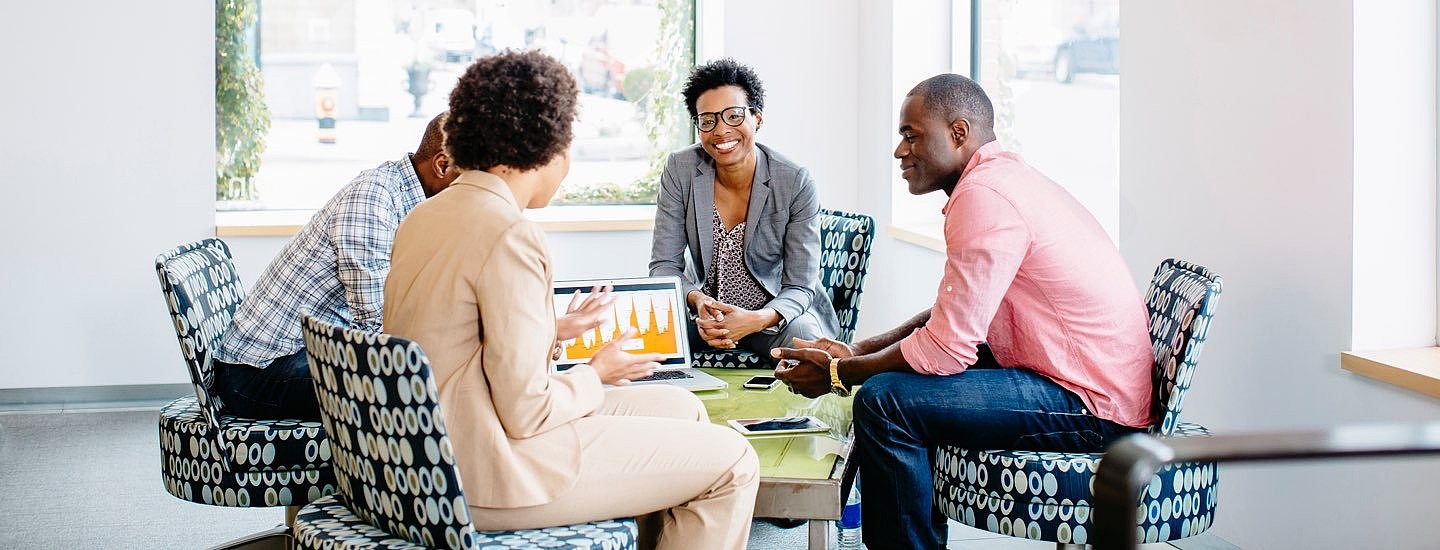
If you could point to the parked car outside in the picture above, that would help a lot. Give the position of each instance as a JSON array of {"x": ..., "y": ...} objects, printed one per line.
[{"x": 1095, "y": 49}]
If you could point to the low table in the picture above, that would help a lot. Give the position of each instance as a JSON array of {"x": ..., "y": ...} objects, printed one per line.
[{"x": 801, "y": 476}]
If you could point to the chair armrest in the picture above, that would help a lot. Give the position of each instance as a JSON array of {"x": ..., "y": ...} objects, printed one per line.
[{"x": 1129, "y": 464}]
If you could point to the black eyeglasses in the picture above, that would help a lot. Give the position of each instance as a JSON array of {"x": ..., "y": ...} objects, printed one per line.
[{"x": 733, "y": 116}]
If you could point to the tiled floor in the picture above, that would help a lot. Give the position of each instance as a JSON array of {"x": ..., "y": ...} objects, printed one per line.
[{"x": 88, "y": 477}]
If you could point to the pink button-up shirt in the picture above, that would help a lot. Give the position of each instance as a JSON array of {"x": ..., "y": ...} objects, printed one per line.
[{"x": 1030, "y": 271}]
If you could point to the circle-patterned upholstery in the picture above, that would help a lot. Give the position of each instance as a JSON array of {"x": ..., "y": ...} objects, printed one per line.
[
  {"x": 208, "y": 456},
  {"x": 330, "y": 524},
  {"x": 845, "y": 240},
  {"x": 1047, "y": 496},
  {"x": 394, "y": 461},
  {"x": 194, "y": 466}
]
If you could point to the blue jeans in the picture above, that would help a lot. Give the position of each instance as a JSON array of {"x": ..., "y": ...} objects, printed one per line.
[
  {"x": 281, "y": 390},
  {"x": 901, "y": 417}
]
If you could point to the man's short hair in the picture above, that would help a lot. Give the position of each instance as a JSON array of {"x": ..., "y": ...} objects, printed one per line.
[
  {"x": 433, "y": 142},
  {"x": 954, "y": 97}
]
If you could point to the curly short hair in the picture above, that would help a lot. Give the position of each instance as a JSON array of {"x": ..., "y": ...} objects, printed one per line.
[
  {"x": 724, "y": 72},
  {"x": 515, "y": 109}
]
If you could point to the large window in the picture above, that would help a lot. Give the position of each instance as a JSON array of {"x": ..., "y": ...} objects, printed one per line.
[
  {"x": 381, "y": 69},
  {"x": 1052, "y": 68}
]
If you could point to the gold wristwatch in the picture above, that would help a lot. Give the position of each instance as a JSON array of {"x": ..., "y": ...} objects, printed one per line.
[{"x": 836, "y": 386}]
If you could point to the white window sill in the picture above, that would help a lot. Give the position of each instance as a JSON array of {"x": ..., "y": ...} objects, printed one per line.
[
  {"x": 555, "y": 219},
  {"x": 925, "y": 235},
  {"x": 1415, "y": 369}
]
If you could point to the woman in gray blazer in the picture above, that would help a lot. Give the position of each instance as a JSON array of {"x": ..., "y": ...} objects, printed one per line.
[{"x": 749, "y": 219}]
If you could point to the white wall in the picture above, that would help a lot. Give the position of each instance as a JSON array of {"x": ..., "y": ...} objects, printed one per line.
[
  {"x": 108, "y": 125},
  {"x": 1394, "y": 230},
  {"x": 1243, "y": 148},
  {"x": 810, "y": 73}
]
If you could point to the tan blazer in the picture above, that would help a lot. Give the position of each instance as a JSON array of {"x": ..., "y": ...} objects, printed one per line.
[{"x": 470, "y": 281}]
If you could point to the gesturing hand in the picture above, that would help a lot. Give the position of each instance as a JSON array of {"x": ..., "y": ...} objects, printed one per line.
[
  {"x": 833, "y": 347},
  {"x": 584, "y": 314},
  {"x": 618, "y": 367},
  {"x": 805, "y": 370}
]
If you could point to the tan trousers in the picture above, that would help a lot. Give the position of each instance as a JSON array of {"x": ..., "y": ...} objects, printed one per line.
[{"x": 651, "y": 451}]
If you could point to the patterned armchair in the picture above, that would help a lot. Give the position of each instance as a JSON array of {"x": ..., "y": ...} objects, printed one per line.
[
  {"x": 376, "y": 393},
  {"x": 845, "y": 240},
  {"x": 1048, "y": 495},
  {"x": 208, "y": 456}
]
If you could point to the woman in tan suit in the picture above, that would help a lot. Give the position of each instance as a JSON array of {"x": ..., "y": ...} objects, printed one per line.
[{"x": 470, "y": 281}]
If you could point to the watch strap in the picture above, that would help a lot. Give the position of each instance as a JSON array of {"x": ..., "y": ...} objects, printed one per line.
[{"x": 836, "y": 386}]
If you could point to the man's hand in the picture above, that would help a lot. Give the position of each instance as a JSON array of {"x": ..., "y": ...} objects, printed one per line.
[
  {"x": 584, "y": 314},
  {"x": 833, "y": 347},
  {"x": 805, "y": 370},
  {"x": 618, "y": 367}
]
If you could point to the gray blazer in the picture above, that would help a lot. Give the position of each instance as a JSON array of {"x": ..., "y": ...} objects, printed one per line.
[{"x": 782, "y": 231}]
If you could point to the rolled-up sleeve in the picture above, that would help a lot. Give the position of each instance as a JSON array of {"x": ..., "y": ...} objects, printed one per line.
[{"x": 985, "y": 241}]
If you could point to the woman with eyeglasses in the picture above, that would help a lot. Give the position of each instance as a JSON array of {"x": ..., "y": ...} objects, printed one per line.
[{"x": 749, "y": 218}]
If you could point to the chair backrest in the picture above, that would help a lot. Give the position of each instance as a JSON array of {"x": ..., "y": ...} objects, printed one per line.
[
  {"x": 202, "y": 291},
  {"x": 845, "y": 240},
  {"x": 1181, "y": 302},
  {"x": 393, "y": 459}
]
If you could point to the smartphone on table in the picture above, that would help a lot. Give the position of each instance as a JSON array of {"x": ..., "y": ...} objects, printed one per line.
[
  {"x": 761, "y": 382},
  {"x": 786, "y": 425}
]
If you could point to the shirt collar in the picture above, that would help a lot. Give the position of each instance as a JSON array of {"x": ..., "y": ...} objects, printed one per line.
[
  {"x": 410, "y": 180},
  {"x": 982, "y": 155},
  {"x": 488, "y": 182}
]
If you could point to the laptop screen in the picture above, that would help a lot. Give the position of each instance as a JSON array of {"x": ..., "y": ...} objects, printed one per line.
[{"x": 653, "y": 305}]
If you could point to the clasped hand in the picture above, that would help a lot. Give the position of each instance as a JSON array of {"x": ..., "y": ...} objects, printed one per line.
[
  {"x": 805, "y": 368},
  {"x": 722, "y": 325}
]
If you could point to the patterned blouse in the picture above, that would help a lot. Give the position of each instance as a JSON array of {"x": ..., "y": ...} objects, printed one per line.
[{"x": 729, "y": 280}]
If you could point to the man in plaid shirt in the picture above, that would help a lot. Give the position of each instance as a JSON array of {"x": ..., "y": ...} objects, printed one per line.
[{"x": 335, "y": 267}]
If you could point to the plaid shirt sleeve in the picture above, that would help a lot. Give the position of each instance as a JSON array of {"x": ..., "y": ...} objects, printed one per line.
[{"x": 362, "y": 232}]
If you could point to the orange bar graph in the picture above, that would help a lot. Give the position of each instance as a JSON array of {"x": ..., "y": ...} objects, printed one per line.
[{"x": 654, "y": 337}]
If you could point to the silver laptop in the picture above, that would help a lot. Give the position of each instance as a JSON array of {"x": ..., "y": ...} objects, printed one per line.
[{"x": 656, "y": 308}]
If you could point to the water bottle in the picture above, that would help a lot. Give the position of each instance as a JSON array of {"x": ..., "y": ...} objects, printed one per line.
[{"x": 850, "y": 520}]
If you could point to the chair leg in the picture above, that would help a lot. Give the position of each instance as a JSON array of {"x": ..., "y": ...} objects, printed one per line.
[
  {"x": 275, "y": 538},
  {"x": 290, "y": 513}
]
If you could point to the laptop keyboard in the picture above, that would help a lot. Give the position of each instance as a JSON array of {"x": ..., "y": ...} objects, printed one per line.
[{"x": 664, "y": 375}]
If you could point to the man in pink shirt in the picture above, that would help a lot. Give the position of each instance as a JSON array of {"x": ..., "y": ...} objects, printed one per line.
[{"x": 1037, "y": 338}]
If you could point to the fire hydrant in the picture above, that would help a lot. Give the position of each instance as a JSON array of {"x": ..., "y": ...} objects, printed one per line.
[{"x": 327, "y": 94}]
